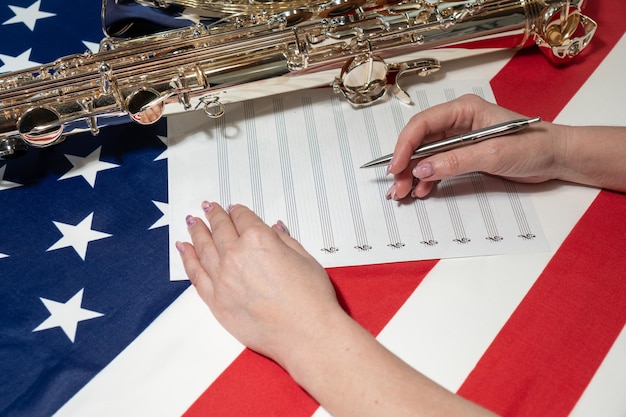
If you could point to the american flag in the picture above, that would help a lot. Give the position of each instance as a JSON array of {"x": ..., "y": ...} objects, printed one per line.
[{"x": 90, "y": 323}]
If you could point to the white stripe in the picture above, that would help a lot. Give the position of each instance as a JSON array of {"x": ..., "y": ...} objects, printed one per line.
[
  {"x": 597, "y": 400},
  {"x": 600, "y": 101},
  {"x": 164, "y": 370},
  {"x": 453, "y": 316}
]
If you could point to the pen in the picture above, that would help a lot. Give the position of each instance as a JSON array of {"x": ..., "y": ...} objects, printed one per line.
[{"x": 460, "y": 140}]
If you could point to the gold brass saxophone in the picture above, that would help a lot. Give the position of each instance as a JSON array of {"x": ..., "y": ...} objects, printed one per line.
[{"x": 265, "y": 47}]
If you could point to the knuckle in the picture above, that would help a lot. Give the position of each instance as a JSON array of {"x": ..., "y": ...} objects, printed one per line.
[
  {"x": 202, "y": 247},
  {"x": 194, "y": 277},
  {"x": 470, "y": 99},
  {"x": 217, "y": 221},
  {"x": 451, "y": 164},
  {"x": 256, "y": 235},
  {"x": 230, "y": 257}
]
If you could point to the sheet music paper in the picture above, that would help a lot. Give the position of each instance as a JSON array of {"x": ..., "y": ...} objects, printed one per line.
[{"x": 295, "y": 157}]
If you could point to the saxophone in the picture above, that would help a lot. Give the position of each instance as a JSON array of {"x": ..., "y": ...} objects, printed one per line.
[{"x": 261, "y": 47}]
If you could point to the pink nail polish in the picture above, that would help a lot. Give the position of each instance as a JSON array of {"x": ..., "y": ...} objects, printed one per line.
[
  {"x": 230, "y": 208},
  {"x": 283, "y": 227},
  {"x": 388, "y": 170},
  {"x": 206, "y": 206},
  {"x": 391, "y": 193},
  {"x": 423, "y": 170},
  {"x": 190, "y": 220},
  {"x": 180, "y": 247}
]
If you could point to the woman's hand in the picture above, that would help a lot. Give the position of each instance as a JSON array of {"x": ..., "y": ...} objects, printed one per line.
[
  {"x": 528, "y": 156},
  {"x": 260, "y": 284},
  {"x": 276, "y": 299}
]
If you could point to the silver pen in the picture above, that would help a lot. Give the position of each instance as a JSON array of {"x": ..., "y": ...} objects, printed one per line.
[{"x": 454, "y": 142}]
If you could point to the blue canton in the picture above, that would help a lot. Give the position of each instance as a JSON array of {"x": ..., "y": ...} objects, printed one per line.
[{"x": 84, "y": 257}]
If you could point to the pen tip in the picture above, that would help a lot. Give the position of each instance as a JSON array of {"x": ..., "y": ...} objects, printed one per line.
[{"x": 371, "y": 164}]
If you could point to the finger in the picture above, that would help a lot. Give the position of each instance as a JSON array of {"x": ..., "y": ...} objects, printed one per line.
[
  {"x": 491, "y": 157},
  {"x": 283, "y": 233},
  {"x": 429, "y": 125},
  {"x": 203, "y": 243},
  {"x": 423, "y": 189},
  {"x": 223, "y": 230},
  {"x": 196, "y": 273},
  {"x": 244, "y": 218},
  {"x": 466, "y": 113},
  {"x": 402, "y": 185}
]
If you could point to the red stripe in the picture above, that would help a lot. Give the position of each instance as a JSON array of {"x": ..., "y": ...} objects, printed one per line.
[
  {"x": 255, "y": 386},
  {"x": 545, "y": 356},
  {"x": 531, "y": 85}
]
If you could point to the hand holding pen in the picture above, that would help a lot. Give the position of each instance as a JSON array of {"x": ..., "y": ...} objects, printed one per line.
[
  {"x": 464, "y": 139},
  {"x": 526, "y": 156}
]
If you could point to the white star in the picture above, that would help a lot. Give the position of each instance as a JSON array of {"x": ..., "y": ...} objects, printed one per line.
[
  {"x": 195, "y": 18},
  {"x": 4, "y": 184},
  {"x": 66, "y": 315},
  {"x": 28, "y": 16},
  {"x": 15, "y": 63},
  {"x": 2, "y": 255},
  {"x": 88, "y": 167},
  {"x": 77, "y": 236},
  {"x": 92, "y": 46},
  {"x": 163, "y": 221},
  {"x": 163, "y": 154}
]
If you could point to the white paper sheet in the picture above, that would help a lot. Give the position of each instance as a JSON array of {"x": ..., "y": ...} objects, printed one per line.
[{"x": 295, "y": 157}]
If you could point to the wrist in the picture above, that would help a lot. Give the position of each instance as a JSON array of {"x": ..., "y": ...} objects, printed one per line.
[
  {"x": 559, "y": 148},
  {"x": 319, "y": 353},
  {"x": 593, "y": 155}
]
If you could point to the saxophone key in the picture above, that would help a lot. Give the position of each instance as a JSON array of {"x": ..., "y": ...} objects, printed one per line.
[
  {"x": 145, "y": 106},
  {"x": 12, "y": 147},
  {"x": 40, "y": 127}
]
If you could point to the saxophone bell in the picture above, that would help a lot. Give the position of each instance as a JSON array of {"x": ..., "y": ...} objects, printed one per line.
[{"x": 565, "y": 32}]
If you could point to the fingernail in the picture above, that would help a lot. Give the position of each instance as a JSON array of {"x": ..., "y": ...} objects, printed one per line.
[
  {"x": 230, "y": 208},
  {"x": 423, "y": 170},
  {"x": 388, "y": 170},
  {"x": 283, "y": 227},
  {"x": 206, "y": 206},
  {"x": 391, "y": 193},
  {"x": 190, "y": 220},
  {"x": 180, "y": 247}
]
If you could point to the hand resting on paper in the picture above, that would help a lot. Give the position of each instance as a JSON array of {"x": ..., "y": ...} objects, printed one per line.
[
  {"x": 586, "y": 155},
  {"x": 274, "y": 297}
]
